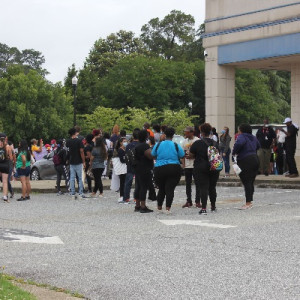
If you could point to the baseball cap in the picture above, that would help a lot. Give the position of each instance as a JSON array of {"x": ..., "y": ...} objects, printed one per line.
[
  {"x": 287, "y": 120},
  {"x": 189, "y": 129},
  {"x": 2, "y": 135}
]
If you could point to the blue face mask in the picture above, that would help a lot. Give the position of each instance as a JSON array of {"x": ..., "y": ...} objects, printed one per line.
[
  {"x": 125, "y": 144},
  {"x": 223, "y": 131}
]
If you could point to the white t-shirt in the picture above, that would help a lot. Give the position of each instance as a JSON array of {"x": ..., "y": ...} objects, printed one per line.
[{"x": 187, "y": 143}]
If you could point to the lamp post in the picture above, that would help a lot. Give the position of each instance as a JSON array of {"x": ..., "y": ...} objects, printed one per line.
[
  {"x": 74, "y": 84},
  {"x": 190, "y": 104}
]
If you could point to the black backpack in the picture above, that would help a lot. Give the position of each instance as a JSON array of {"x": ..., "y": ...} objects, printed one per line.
[
  {"x": 57, "y": 159},
  {"x": 130, "y": 157}
]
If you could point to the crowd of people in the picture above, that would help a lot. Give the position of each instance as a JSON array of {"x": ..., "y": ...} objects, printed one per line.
[{"x": 155, "y": 162}]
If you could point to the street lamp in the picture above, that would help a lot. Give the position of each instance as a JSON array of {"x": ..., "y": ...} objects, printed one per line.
[
  {"x": 190, "y": 104},
  {"x": 74, "y": 84}
]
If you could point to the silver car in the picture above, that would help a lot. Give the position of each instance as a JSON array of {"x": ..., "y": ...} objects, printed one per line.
[{"x": 44, "y": 168}]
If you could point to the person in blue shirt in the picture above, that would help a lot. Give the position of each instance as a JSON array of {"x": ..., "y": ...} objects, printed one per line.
[{"x": 167, "y": 169}]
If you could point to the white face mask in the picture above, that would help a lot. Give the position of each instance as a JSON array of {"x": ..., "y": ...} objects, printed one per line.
[{"x": 125, "y": 144}]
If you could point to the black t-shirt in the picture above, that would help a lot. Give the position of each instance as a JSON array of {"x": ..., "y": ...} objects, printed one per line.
[
  {"x": 74, "y": 146},
  {"x": 290, "y": 141},
  {"x": 265, "y": 137},
  {"x": 199, "y": 149},
  {"x": 144, "y": 164}
]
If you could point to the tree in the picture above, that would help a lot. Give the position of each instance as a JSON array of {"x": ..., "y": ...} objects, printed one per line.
[
  {"x": 141, "y": 81},
  {"x": 255, "y": 100},
  {"x": 30, "y": 106},
  {"x": 28, "y": 58},
  {"x": 107, "y": 52},
  {"x": 168, "y": 37}
]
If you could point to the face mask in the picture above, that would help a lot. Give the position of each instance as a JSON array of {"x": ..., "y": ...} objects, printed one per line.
[
  {"x": 125, "y": 144},
  {"x": 223, "y": 131}
]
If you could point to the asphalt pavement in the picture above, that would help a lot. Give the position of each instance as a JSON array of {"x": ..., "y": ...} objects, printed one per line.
[{"x": 104, "y": 250}]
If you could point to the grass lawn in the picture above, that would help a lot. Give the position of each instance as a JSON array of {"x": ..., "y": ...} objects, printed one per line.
[{"x": 9, "y": 291}]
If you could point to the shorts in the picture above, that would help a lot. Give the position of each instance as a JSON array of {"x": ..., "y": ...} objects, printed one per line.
[
  {"x": 23, "y": 172},
  {"x": 4, "y": 167}
]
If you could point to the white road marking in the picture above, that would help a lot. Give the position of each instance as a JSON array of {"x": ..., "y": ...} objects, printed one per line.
[
  {"x": 18, "y": 238},
  {"x": 194, "y": 223}
]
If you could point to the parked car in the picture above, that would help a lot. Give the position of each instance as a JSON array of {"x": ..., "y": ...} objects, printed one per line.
[
  {"x": 255, "y": 127},
  {"x": 44, "y": 168}
]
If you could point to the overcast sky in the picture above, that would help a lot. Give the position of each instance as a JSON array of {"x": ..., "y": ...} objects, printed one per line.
[{"x": 65, "y": 30}]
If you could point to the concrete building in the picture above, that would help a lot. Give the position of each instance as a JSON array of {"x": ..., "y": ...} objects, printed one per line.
[{"x": 257, "y": 34}]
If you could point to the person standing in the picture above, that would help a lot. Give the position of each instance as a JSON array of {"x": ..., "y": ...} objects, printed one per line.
[
  {"x": 76, "y": 161},
  {"x": 143, "y": 172},
  {"x": 23, "y": 169},
  {"x": 266, "y": 137},
  {"x": 290, "y": 147},
  {"x": 59, "y": 160},
  {"x": 189, "y": 166},
  {"x": 87, "y": 154},
  {"x": 167, "y": 170},
  {"x": 5, "y": 158},
  {"x": 245, "y": 148},
  {"x": 205, "y": 179},
  {"x": 99, "y": 155},
  {"x": 225, "y": 150},
  {"x": 130, "y": 168}
]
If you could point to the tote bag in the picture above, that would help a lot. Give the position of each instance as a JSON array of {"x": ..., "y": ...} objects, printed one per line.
[{"x": 119, "y": 168}]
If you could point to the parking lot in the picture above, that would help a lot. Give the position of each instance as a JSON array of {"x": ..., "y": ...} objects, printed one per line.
[{"x": 104, "y": 250}]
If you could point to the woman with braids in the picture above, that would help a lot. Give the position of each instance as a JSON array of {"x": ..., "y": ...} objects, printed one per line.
[
  {"x": 225, "y": 150},
  {"x": 167, "y": 171},
  {"x": 245, "y": 148},
  {"x": 23, "y": 170},
  {"x": 5, "y": 158},
  {"x": 98, "y": 156}
]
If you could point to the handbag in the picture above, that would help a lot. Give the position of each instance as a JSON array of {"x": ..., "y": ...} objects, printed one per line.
[
  {"x": 119, "y": 168},
  {"x": 90, "y": 173}
]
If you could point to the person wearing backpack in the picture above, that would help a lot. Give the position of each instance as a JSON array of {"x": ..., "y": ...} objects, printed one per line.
[
  {"x": 131, "y": 163},
  {"x": 205, "y": 176},
  {"x": 59, "y": 160},
  {"x": 167, "y": 169}
]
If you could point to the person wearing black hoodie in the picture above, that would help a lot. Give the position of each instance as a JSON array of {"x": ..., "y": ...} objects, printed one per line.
[{"x": 245, "y": 148}]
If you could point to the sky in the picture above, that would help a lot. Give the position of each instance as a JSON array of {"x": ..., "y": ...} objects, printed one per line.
[{"x": 64, "y": 31}]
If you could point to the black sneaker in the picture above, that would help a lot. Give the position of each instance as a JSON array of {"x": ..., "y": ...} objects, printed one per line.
[
  {"x": 27, "y": 197},
  {"x": 145, "y": 210},
  {"x": 213, "y": 209},
  {"x": 22, "y": 199},
  {"x": 137, "y": 208},
  {"x": 203, "y": 212}
]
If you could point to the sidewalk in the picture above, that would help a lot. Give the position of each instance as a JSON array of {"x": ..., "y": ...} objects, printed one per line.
[{"x": 272, "y": 181}]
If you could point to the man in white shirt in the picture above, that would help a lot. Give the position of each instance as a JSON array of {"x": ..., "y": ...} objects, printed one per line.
[{"x": 189, "y": 166}]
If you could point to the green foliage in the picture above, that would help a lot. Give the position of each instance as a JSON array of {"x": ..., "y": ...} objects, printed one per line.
[
  {"x": 132, "y": 118},
  {"x": 169, "y": 36},
  {"x": 29, "y": 59},
  {"x": 30, "y": 107},
  {"x": 258, "y": 95},
  {"x": 141, "y": 81}
]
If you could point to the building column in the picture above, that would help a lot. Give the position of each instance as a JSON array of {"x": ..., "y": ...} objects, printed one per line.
[
  {"x": 295, "y": 104},
  {"x": 219, "y": 93}
]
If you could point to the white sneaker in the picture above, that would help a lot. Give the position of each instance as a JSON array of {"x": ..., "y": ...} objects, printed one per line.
[
  {"x": 101, "y": 196},
  {"x": 120, "y": 200},
  {"x": 74, "y": 197}
]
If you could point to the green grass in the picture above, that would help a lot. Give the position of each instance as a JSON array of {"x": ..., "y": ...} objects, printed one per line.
[{"x": 11, "y": 292}]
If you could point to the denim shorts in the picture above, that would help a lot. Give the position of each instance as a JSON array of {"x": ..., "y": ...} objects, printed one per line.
[{"x": 23, "y": 172}]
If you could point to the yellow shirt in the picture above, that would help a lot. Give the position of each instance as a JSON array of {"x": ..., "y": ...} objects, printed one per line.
[{"x": 35, "y": 148}]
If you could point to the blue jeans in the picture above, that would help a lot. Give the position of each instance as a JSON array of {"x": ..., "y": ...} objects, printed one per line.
[
  {"x": 76, "y": 170},
  {"x": 127, "y": 186},
  {"x": 226, "y": 161}
]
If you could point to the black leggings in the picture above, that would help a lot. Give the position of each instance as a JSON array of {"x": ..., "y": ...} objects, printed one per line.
[
  {"x": 98, "y": 180},
  {"x": 122, "y": 184},
  {"x": 61, "y": 172},
  {"x": 206, "y": 183},
  {"x": 143, "y": 181},
  {"x": 166, "y": 178},
  {"x": 249, "y": 166}
]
